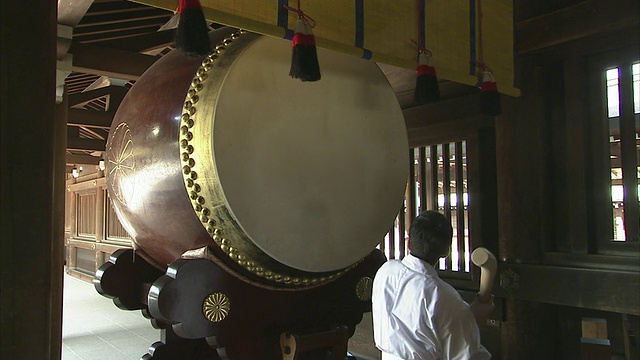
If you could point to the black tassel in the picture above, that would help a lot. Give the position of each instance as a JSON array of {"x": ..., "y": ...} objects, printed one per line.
[
  {"x": 489, "y": 96},
  {"x": 192, "y": 34},
  {"x": 427, "y": 88},
  {"x": 304, "y": 60}
]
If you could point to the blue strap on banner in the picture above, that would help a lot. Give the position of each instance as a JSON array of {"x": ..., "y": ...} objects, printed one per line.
[
  {"x": 472, "y": 36},
  {"x": 359, "y": 40},
  {"x": 283, "y": 19},
  {"x": 422, "y": 25}
]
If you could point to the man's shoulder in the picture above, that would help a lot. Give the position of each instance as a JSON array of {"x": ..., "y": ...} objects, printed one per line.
[
  {"x": 391, "y": 263},
  {"x": 395, "y": 271},
  {"x": 390, "y": 269}
]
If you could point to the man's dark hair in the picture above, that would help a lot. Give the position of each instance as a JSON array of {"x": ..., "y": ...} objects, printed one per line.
[{"x": 430, "y": 235}]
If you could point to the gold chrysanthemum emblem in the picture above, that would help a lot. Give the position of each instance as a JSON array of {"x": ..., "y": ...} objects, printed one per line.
[
  {"x": 216, "y": 307},
  {"x": 121, "y": 163},
  {"x": 364, "y": 288}
]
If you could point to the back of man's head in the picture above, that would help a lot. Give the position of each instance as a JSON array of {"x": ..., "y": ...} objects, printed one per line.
[{"x": 430, "y": 235}]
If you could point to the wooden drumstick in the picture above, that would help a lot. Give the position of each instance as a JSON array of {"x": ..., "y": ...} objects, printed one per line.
[{"x": 488, "y": 268}]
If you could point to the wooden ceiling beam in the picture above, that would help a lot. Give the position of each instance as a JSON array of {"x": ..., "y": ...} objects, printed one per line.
[
  {"x": 442, "y": 111},
  {"x": 82, "y": 159},
  {"x": 448, "y": 90},
  {"x": 431, "y": 123},
  {"x": 109, "y": 28},
  {"x": 84, "y": 97},
  {"x": 90, "y": 118},
  {"x": 575, "y": 22},
  {"x": 115, "y": 98},
  {"x": 98, "y": 39},
  {"x": 124, "y": 16},
  {"x": 143, "y": 43},
  {"x": 80, "y": 144},
  {"x": 95, "y": 132},
  {"x": 121, "y": 64},
  {"x": 100, "y": 7}
]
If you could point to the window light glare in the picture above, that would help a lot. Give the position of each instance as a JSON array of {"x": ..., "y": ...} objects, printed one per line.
[
  {"x": 613, "y": 95},
  {"x": 635, "y": 70},
  {"x": 612, "y": 74}
]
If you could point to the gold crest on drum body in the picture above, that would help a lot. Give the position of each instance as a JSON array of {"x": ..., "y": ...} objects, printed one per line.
[
  {"x": 206, "y": 194},
  {"x": 122, "y": 162}
]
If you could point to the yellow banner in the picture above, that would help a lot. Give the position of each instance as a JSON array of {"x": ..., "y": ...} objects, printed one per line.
[{"x": 458, "y": 33}]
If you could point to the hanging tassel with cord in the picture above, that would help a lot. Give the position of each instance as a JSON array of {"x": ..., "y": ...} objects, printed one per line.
[
  {"x": 304, "y": 57},
  {"x": 192, "y": 34},
  {"x": 489, "y": 98},
  {"x": 427, "y": 89}
]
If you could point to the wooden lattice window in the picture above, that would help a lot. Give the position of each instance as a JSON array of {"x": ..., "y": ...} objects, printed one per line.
[
  {"x": 623, "y": 107},
  {"x": 437, "y": 181},
  {"x": 86, "y": 215},
  {"x": 615, "y": 153}
]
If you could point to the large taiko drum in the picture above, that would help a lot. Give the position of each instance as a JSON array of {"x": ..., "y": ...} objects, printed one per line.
[{"x": 289, "y": 183}]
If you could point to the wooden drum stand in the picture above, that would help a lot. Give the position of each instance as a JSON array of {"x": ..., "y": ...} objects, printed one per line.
[{"x": 205, "y": 312}]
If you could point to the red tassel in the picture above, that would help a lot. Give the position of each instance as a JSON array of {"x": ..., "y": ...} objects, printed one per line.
[
  {"x": 490, "y": 98},
  {"x": 192, "y": 35},
  {"x": 304, "y": 60},
  {"x": 427, "y": 89}
]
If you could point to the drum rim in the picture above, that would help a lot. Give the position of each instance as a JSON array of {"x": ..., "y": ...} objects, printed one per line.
[{"x": 208, "y": 200}]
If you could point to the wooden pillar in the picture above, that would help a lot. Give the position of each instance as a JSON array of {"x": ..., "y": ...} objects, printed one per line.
[
  {"x": 524, "y": 182},
  {"x": 530, "y": 331},
  {"x": 59, "y": 204},
  {"x": 30, "y": 319},
  {"x": 72, "y": 251},
  {"x": 99, "y": 231},
  {"x": 525, "y": 211},
  {"x": 73, "y": 211}
]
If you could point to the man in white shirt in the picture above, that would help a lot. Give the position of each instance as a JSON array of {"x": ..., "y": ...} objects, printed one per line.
[{"x": 418, "y": 316}]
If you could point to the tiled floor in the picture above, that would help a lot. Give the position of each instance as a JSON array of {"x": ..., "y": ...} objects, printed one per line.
[{"x": 93, "y": 328}]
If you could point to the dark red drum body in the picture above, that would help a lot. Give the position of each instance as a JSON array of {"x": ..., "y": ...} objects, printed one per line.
[{"x": 287, "y": 183}]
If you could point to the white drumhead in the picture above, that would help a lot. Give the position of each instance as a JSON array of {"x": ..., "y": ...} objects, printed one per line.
[{"x": 314, "y": 172}]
